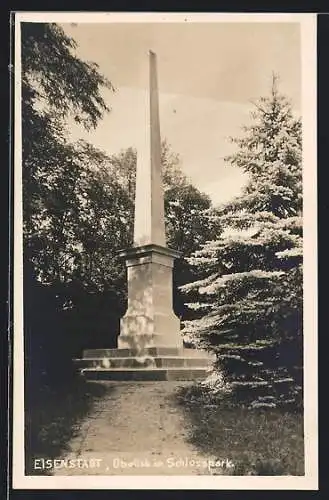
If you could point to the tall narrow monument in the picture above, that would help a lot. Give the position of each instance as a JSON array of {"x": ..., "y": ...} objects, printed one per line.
[
  {"x": 150, "y": 346},
  {"x": 150, "y": 320}
]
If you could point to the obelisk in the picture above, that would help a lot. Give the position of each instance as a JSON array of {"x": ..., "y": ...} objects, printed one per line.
[{"x": 149, "y": 320}]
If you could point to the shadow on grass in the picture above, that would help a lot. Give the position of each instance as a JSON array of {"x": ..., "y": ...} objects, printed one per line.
[
  {"x": 53, "y": 417},
  {"x": 262, "y": 442}
]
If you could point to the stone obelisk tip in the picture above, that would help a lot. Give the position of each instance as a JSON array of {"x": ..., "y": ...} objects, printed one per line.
[{"x": 149, "y": 225}]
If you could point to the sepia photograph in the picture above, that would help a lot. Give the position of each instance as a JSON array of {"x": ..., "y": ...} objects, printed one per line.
[{"x": 165, "y": 328}]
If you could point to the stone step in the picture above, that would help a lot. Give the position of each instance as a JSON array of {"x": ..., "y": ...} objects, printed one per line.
[
  {"x": 151, "y": 351},
  {"x": 145, "y": 374},
  {"x": 143, "y": 362}
]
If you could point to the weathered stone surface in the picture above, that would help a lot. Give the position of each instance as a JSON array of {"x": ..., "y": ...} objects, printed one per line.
[
  {"x": 149, "y": 209},
  {"x": 144, "y": 362},
  {"x": 152, "y": 351},
  {"x": 145, "y": 374},
  {"x": 149, "y": 319}
]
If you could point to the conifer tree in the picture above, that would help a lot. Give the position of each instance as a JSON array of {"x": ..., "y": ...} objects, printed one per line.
[{"x": 247, "y": 300}]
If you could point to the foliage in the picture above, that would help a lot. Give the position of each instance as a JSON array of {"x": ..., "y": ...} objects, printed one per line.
[
  {"x": 67, "y": 198},
  {"x": 248, "y": 296},
  {"x": 258, "y": 442},
  {"x": 55, "y": 419},
  {"x": 67, "y": 191},
  {"x": 53, "y": 74}
]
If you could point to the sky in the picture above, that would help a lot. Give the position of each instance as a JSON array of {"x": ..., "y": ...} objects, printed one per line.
[{"x": 208, "y": 74}]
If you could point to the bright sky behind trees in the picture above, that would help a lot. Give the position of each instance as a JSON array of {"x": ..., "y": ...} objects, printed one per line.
[{"x": 208, "y": 76}]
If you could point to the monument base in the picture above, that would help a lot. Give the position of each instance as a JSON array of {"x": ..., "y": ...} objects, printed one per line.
[
  {"x": 156, "y": 364},
  {"x": 149, "y": 319}
]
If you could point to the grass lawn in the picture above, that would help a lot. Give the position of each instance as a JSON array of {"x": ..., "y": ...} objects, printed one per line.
[
  {"x": 265, "y": 442},
  {"x": 258, "y": 442},
  {"x": 53, "y": 417}
]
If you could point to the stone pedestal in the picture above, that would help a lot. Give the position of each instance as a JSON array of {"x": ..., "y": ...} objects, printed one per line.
[{"x": 149, "y": 320}]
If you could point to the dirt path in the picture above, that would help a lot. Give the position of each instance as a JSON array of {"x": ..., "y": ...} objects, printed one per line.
[{"x": 136, "y": 429}]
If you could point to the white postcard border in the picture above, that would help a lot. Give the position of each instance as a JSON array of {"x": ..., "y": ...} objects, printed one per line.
[{"x": 309, "y": 100}]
